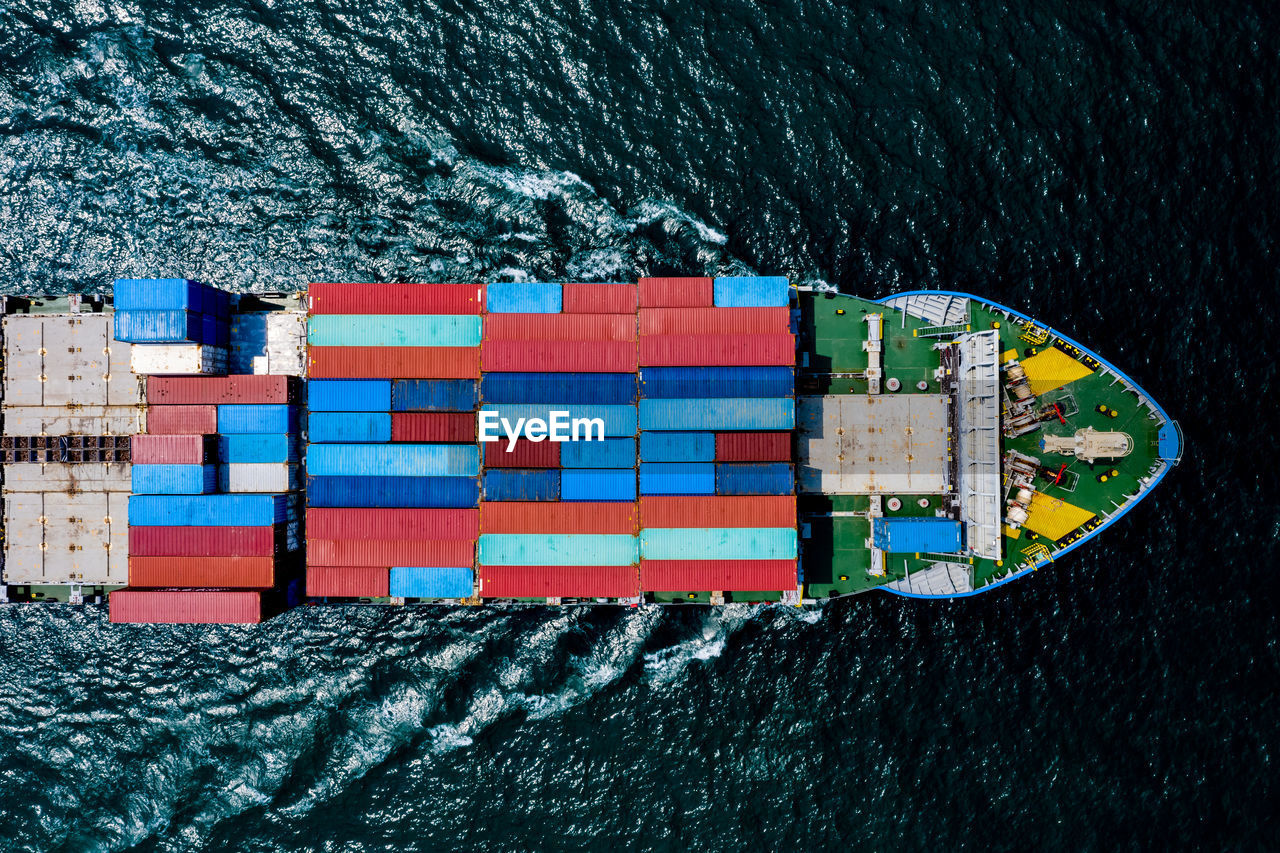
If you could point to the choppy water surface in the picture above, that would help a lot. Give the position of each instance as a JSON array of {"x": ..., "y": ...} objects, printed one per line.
[{"x": 1109, "y": 168}]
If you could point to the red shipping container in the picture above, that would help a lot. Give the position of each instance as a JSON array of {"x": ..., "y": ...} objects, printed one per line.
[
  {"x": 718, "y": 575},
  {"x": 753, "y": 447},
  {"x": 394, "y": 362},
  {"x": 525, "y": 454},
  {"x": 220, "y": 390},
  {"x": 599, "y": 299},
  {"x": 173, "y": 449},
  {"x": 371, "y": 523},
  {"x": 715, "y": 321},
  {"x": 392, "y": 552},
  {"x": 175, "y": 606},
  {"x": 344, "y": 298},
  {"x": 546, "y": 517},
  {"x": 561, "y": 581},
  {"x": 560, "y": 327},
  {"x": 348, "y": 581},
  {"x": 560, "y": 356},
  {"x": 203, "y": 572},
  {"x": 181, "y": 420},
  {"x": 206, "y": 541},
  {"x": 716, "y": 350},
  {"x": 433, "y": 426},
  {"x": 718, "y": 511},
  {"x": 676, "y": 293}
]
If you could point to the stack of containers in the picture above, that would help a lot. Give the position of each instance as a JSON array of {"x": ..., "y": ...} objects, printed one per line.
[
  {"x": 716, "y": 410},
  {"x": 557, "y": 519},
  {"x": 177, "y": 326},
  {"x": 392, "y": 457}
]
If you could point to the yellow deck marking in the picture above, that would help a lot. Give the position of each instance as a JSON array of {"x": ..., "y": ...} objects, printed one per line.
[
  {"x": 1051, "y": 368},
  {"x": 1054, "y": 518}
]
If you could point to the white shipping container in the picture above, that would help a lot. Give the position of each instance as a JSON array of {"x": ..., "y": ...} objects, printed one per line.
[
  {"x": 68, "y": 477},
  {"x": 177, "y": 359},
  {"x": 66, "y": 359},
  {"x": 269, "y": 343},
  {"x": 74, "y": 420},
  {"x": 266, "y": 477},
  {"x": 59, "y": 538}
]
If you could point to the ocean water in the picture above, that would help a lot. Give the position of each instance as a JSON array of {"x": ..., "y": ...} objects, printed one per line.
[{"x": 1110, "y": 168}]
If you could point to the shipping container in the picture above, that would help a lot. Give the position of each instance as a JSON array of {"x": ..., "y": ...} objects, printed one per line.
[
  {"x": 763, "y": 511},
  {"x": 752, "y": 291},
  {"x": 599, "y": 299},
  {"x": 718, "y": 575},
  {"x": 258, "y": 449},
  {"x": 349, "y": 427},
  {"x": 559, "y": 582},
  {"x": 349, "y": 395},
  {"x": 357, "y": 523},
  {"x": 348, "y": 581},
  {"x": 433, "y": 426},
  {"x": 916, "y": 535},
  {"x": 177, "y": 359},
  {"x": 598, "y": 484},
  {"x": 392, "y": 491},
  {"x": 525, "y": 453},
  {"x": 174, "y": 479},
  {"x": 393, "y": 460},
  {"x": 203, "y": 606},
  {"x": 166, "y": 294},
  {"x": 203, "y": 572},
  {"x": 618, "y": 421},
  {"x": 393, "y": 330},
  {"x": 715, "y": 321},
  {"x": 566, "y": 356},
  {"x": 610, "y": 453},
  {"x": 553, "y": 549},
  {"x": 273, "y": 342},
  {"x": 603, "y": 388},
  {"x": 677, "y": 446},
  {"x": 535, "y": 517},
  {"x": 721, "y": 414},
  {"x": 217, "y": 332},
  {"x": 394, "y": 362},
  {"x": 173, "y": 449},
  {"x": 434, "y": 395},
  {"x": 676, "y": 293},
  {"x": 755, "y": 478},
  {"x": 211, "y": 390},
  {"x": 172, "y": 541},
  {"x": 677, "y": 478},
  {"x": 259, "y": 477},
  {"x": 182, "y": 420},
  {"x": 521, "y": 484},
  {"x": 380, "y": 552},
  {"x": 713, "y": 350},
  {"x": 432, "y": 582},
  {"x": 560, "y": 327},
  {"x": 212, "y": 510},
  {"x": 257, "y": 419},
  {"x": 753, "y": 447},
  {"x": 334, "y": 298},
  {"x": 523, "y": 297},
  {"x": 161, "y": 327},
  {"x": 717, "y": 543}
]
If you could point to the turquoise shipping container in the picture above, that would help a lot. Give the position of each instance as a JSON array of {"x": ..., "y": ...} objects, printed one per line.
[
  {"x": 431, "y": 582},
  {"x": 619, "y": 421},
  {"x": 718, "y": 543},
  {"x": 751, "y": 291},
  {"x": 550, "y": 549},
  {"x": 393, "y": 330},
  {"x": 393, "y": 460},
  {"x": 523, "y": 297}
]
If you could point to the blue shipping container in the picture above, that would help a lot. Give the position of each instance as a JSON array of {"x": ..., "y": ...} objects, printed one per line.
[
  {"x": 527, "y": 297},
  {"x": 217, "y": 332},
  {"x": 558, "y": 549},
  {"x": 349, "y": 395},
  {"x": 340, "y": 427},
  {"x": 162, "y": 327},
  {"x": 677, "y": 446},
  {"x": 259, "y": 418},
  {"x": 393, "y": 460},
  {"x": 726, "y": 413},
  {"x": 754, "y": 478},
  {"x": 606, "y": 388},
  {"x": 212, "y": 510},
  {"x": 702, "y": 382},
  {"x": 521, "y": 484},
  {"x": 598, "y": 484},
  {"x": 610, "y": 453},
  {"x": 677, "y": 478},
  {"x": 618, "y": 421},
  {"x": 434, "y": 395},
  {"x": 751, "y": 291},
  {"x": 718, "y": 543},
  {"x": 916, "y": 535},
  {"x": 392, "y": 491},
  {"x": 257, "y": 448},
  {"x": 164, "y": 294},
  {"x": 393, "y": 330},
  {"x": 431, "y": 582},
  {"x": 174, "y": 479}
]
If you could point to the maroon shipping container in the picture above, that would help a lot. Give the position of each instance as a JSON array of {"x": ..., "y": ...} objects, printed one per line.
[
  {"x": 370, "y": 523},
  {"x": 391, "y": 552},
  {"x": 560, "y": 327},
  {"x": 433, "y": 426},
  {"x": 221, "y": 390},
  {"x": 182, "y": 420},
  {"x": 207, "y": 541},
  {"x": 559, "y": 581},
  {"x": 676, "y": 293},
  {"x": 718, "y": 575},
  {"x": 547, "y": 517},
  {"x": 348, "y": 581},
  {"x": 173, "y": 449},
  {"x": 559, "y": 356},
  {"x": 335, "y": 298},
  {"x": 599, "y": 299},
  {"x": 394, "y": 362},
  {"x": 177, "y": 606},
  {"x": 717, "y": 511},
  {"x": 203, "y": 572},
  {"x": 753, "y": 447},
  {"x": 716, "y": 350},
  {"x": 525, "y": 454},
  {"x": 715, "y": 321}
]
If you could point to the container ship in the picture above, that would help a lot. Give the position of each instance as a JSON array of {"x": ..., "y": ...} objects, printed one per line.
[{"x": 188, "y": 455}]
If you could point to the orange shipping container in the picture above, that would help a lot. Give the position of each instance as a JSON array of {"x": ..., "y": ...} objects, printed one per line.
[
  {"x": 559, "y": 581},
  {"x": 394, "y": 362},
  {"x": 715, "y": 321},
  {"x": 348, "y": 581},
  {"x": 560, "y": 356},
  {"x": 718, "y": 575},
  {"x": 343, "y": 298},
  {"x": 547, "y": 517},
  {"x": 753, "y": 447},
  {"x": 676, "y": 292},
  {"x": 455, "y": 553},
  {"x": 206, "y": 572},
  {"x": 433, "y": 426},
  {"x": 599, "y": 299},
  {"x": 716, "y": 350},
  {"x": 392, "y": 523},
  {"x": 718, "y": 511},
  {"x": 525, "y": 454},
  {"x": 560, "y": 327},
  {"x": 187, "y": 607}
]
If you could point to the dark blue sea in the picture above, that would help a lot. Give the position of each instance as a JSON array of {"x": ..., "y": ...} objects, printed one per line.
[{"x": 1110, "y": 168}]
